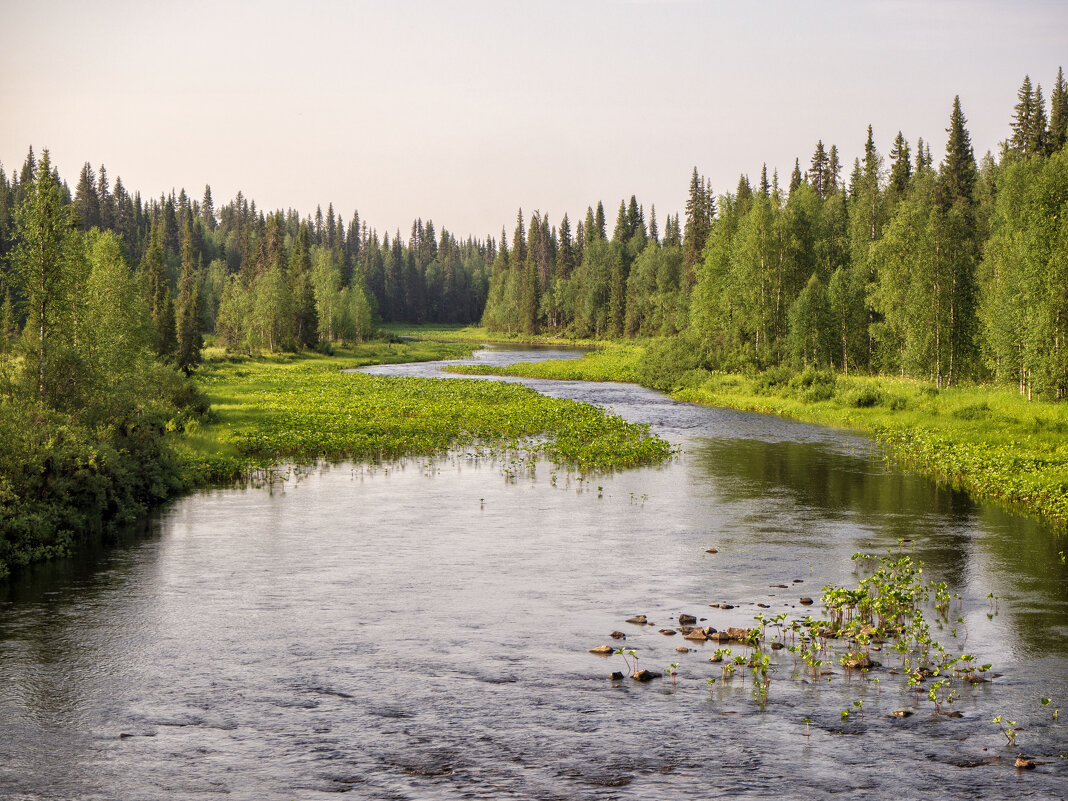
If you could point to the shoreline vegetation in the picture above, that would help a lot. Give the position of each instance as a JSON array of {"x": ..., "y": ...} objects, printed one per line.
[{"x": 986, "y": 439}]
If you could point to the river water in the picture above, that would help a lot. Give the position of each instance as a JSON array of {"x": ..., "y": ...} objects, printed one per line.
[{"x": 420, "y": 630}]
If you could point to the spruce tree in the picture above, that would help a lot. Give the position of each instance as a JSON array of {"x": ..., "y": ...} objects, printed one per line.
[
  {"x": 187, "y": 312},
  {"x": 957, "y": 247},
  {"x": 834, "y": 170},
  {"x": 207, "y": 209},
  {"x": 1058, "y": 113},
  {"x": 157, "y": 293},
  {"x": 1023, "y": 120},
  {"x": 565, "y": 255},
  {"x": 795, "y": 176},
  {"x": 1038, "y": 134},
  {"x": 819, "y": 172},
  {"x": 901, "y": 171}
]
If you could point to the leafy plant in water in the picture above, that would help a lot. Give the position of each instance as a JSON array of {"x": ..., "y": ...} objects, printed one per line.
[
  {"x": 1009, "y": 729},
  {"x": 1055, "y": 713},
  {"x": 625, "y": 653}
]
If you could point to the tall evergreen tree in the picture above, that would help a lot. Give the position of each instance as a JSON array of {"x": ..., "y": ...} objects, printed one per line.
[
  {"x": 187, "y": 312},
  {"x": 157, "y": 292},
  {"x": 1058, "y": 113}
]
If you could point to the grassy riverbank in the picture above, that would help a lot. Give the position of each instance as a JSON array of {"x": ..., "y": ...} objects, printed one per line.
[
  {"x": 304, "y": 407},
  {"x": 988, "y": 440}
]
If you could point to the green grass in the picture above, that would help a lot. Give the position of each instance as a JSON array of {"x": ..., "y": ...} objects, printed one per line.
[
  {"x": 988, "y": 440},
  {"x": 304, "y": 408}
]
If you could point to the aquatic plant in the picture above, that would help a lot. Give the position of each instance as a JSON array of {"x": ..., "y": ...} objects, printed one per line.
[
  {"x": 304, "y": 410},
  {"x": 625, "y": 653},
  {"x": 1009, "y": 729}
]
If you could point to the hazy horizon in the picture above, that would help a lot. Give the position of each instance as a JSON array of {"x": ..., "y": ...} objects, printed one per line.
[{"x": 462, "y": 112}]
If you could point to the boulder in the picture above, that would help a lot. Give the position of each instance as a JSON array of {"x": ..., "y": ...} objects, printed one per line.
[
  {"x": 806, "y": 601},
  {"x": 668, "y": 632},
  {"x": 711, "y": 550},
  {"x": 1025, "y": 763},
  {"x": 616, "y": 676},
  {"x": 687, "y": 620},
  {"x": 602, "y": 650},
  {"x": 637, "y": 619},
  {"x": 646, "y": 675},
  {"x": 618, "y": 635}
]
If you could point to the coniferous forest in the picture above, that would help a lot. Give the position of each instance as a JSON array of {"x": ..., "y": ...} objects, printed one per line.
[{"x": 948, "y": 272}]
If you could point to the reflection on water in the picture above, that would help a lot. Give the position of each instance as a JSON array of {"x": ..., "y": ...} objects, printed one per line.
[{"x": 421, "y": 631}]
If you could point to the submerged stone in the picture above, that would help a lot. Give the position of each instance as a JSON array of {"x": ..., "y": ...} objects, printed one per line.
[{"x": 618, "y": 635}]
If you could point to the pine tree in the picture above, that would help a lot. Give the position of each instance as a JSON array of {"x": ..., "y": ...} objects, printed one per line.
[
  {"x": 654, "y": 233},
  {"x": 765, "y": 188}
]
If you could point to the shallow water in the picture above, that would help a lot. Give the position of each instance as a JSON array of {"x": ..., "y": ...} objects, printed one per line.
[{"x": 420, "y": 630}]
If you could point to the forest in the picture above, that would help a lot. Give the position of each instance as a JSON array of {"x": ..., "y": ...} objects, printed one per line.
[{"x": 950, "y": 273}]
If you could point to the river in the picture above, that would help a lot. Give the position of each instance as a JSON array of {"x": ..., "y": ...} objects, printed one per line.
[{"x": 420, "y": 630}]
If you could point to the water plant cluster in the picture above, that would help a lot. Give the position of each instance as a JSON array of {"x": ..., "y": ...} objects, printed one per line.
[
  {"x": 880, "y": 633},
  {"x": 303, "y": 410}
]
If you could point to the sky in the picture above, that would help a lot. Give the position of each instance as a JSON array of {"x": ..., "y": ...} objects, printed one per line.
[{"x": 463, "y": 111}]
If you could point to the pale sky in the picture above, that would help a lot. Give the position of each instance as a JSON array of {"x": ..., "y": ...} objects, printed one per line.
[{"x": 461, "y": 111}]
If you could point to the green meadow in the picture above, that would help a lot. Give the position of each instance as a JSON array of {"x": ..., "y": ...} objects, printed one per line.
[{"x": 303, "y": 408}]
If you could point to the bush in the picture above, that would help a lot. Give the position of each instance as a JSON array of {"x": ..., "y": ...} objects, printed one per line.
[
  {"x": 666, "y": 361},
  {"x": 860, "y": 397}
]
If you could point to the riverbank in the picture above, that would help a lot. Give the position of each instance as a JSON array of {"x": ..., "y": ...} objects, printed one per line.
[
  {"x": 989, "y": 441},
  {"x": 306, "y": 407}
]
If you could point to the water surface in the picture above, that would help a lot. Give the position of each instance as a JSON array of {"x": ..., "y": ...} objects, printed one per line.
[{"x": 420, "y": 630}]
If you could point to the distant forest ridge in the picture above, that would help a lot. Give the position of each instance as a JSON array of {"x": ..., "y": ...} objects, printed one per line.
[{"x": 897, "y": 265}]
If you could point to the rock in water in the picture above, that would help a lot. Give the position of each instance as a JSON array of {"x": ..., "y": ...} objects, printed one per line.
[
  {"x": 1025, "y": 763},
  {"x": 602, "y": 650},
  {"x": 638, "y": 619},
  {"x": 646, "y": 675},
  {"x": 687, "y": 620},
  {"x": 805, "y": 601},
  {"x": 618, "y": 635}
]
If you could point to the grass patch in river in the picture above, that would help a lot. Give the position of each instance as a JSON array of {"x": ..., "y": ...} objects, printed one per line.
[
  {"x": 305, "y": 408},
  {"x": 988, "y": 440}
]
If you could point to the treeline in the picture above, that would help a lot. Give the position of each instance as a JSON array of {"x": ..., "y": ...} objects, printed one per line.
[
  {"x": 949, "y": 272},
  {"x": 266, "y": 281}
]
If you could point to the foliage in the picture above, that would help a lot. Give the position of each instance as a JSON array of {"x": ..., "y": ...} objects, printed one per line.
[{"x": 308, "y": 408}]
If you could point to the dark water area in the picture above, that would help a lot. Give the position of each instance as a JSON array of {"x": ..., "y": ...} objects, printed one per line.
[{"x": 420, "y": 630}]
